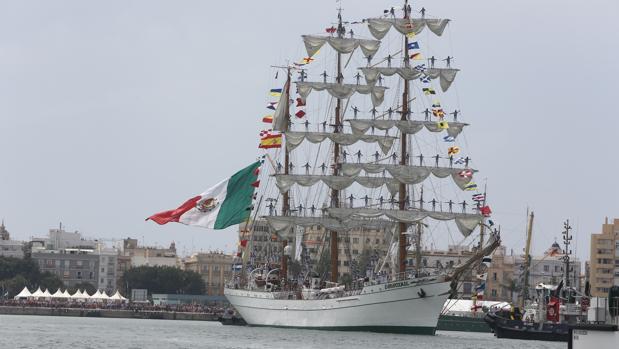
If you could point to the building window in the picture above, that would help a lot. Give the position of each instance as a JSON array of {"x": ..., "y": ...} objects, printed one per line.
[
  {"x": 355, "y": 251},
  {"x": 355, "y": 240},
  {"x": 79, "y": 275},
  {"x": 65, "y": 275},
  {"x": 91, "y": 275},
  {"x": 546, "y": 268},
  {"x": 494, "y": 294},
  {"x": 494, "y": 277}
]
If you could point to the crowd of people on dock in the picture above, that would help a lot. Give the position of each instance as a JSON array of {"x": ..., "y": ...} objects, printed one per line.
[{"x": 181, "y": 308}]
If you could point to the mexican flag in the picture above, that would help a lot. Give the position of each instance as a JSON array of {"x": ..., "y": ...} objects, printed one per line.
[{"x": 225, "y": 204}]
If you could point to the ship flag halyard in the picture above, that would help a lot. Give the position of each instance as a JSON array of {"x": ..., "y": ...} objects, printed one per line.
[{"x": 225, "y": 204}]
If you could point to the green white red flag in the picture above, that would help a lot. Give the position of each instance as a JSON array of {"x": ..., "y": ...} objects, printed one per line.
[{"x": 227, "y": 203}]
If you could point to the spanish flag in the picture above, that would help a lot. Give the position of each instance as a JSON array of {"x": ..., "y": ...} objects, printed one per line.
[
  {"x": 271, "y": 141},
  {"x": 416, "y": 56},
  {"x": 268, "y": 119},
  {"x": 439, "y": 113}
]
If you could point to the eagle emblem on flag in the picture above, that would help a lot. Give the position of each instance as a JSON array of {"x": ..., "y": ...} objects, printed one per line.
[{"x": 206, "y": 205}]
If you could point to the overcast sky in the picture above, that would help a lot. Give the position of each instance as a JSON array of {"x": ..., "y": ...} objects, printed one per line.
[{"x": 113, "y": 110}]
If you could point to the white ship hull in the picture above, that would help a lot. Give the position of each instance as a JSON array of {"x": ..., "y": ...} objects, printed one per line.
[{"x": 406, "y": 306}]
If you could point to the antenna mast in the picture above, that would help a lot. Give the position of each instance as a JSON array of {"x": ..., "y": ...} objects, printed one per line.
[{"x": 567, "y": 238}]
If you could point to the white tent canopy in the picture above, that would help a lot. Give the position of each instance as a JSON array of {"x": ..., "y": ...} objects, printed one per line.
[
  {"x": 46, "y": 294},
  {"x": 117, "y": 297},
  {"x": 25, "y": 293},
  {"x": 38, "y": 293},
  {"x": 58, "y": 294}
]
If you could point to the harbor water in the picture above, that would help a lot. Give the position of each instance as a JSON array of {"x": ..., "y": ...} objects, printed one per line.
[{"x": 19, "y": 331}]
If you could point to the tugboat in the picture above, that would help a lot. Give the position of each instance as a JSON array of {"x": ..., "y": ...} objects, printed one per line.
[{"x": 550, "y": 317}]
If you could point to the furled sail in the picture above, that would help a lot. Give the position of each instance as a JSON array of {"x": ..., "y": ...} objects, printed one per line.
[
  {"x": 445, "y": 75},
  {"x": 361, "y": 126},
  {"x": 466, "y": 222},
  {"x": 280, "y": 117},
  {"x": 380, "y": 26},
  {"x": 284, "y": 182},
  {"x": 313, "y": 43},
  {"x": 408, "y": 174},
  {"x": 293, "y": 139},
  {"x": 284, "y": 223},
  {"x": 342, "y": 91}
]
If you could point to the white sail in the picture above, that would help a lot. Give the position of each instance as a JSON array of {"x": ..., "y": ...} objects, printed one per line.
[
  {"x": 466, "y": 222},
  {"x": 380, "y": 26},
  {"x": 280, "y": 117},
  {"x": 409, "y": 174},
  {"x": 285, "y": 223},
  {"x": 313, "y": 43},
  {"x": 361, "y": 126},
  {"x": 342, "y": 91},
  {"x": 293, "y": 139},
  {"x": 445, "y": 75},
  {"x": 284, "y": 182}
]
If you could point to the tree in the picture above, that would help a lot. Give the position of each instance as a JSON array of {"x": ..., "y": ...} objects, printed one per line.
[
  {"x": 12, "y": 286},
  {"x": 84, "y": 286},
  {"x": 163, "y": 279},
  {"x": 16, "y": 273}
]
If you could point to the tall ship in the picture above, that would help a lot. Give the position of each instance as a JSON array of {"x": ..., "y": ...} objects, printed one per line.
[
  {"x": 362, "y": 166},
  {"x": 359, "y": 142}
]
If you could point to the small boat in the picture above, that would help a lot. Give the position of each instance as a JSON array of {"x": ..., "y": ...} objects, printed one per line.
[{"x": 230, "y": 317}]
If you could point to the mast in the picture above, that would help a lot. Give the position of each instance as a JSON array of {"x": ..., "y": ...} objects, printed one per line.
[
  {"x": 402, "y": 239},
  {"x": 335, "y": 200},
  {"x": 527, "y": 262},
  {"x": 286, "y": 196},
  {"x": 567, "y": 238}
]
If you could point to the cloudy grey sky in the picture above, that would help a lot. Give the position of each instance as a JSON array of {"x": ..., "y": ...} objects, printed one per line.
[{"x": 113, "y": 110}]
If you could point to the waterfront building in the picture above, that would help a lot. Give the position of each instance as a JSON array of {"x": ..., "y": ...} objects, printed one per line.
[
  {"x": 108, "y": 269},
  {"x": 8, "y": 247},
  {"x": 358, "y": 249},
  {"x": 72, "y": 266},
  {"x": 505, "y": 279},
  {"x": 58, "y": 239},
  {"x": 438, "y": 261},
  {"x": 76, "y": 260},
  {"x": 149, "y": 255},
  {"x": 214, "y": 267},
  {"x": 266, "y": 247},
  {"x": 604, "y": 262}
]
